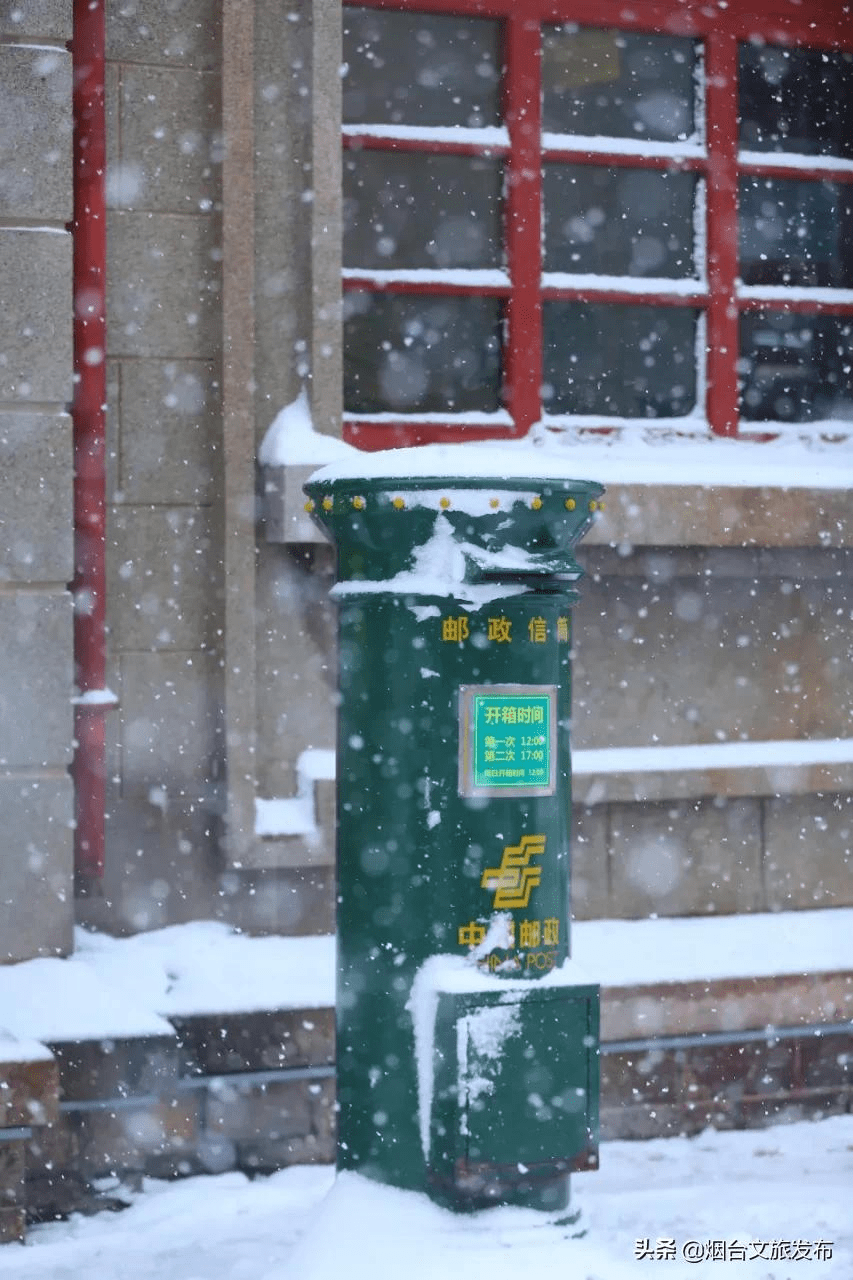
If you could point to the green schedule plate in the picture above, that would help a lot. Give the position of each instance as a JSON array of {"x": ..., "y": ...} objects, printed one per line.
[{"x": 507, "y": 740}]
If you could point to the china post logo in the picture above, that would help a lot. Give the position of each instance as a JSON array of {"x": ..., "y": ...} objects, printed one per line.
[{"x": 513, "y": 881}]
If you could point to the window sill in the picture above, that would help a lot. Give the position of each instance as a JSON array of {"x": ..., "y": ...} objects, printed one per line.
[
  {"x": 733, "y": 769},
  {"x": 679, "y": 515}
]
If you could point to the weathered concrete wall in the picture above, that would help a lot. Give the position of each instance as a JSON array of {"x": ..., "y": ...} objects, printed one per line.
[{"x": 36, "y": 532}]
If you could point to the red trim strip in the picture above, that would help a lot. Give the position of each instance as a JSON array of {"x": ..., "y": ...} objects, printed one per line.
[
  {"x": 523, "y": 112},
  {"x": 818, "y": 25},
  {"x": 620, "y": 160},
  {"x": 799, "y": 306},
  {"x": 577, "y": 155},
  {"x": 449, "y": 289},
  {"x": 374, "y": 142},
  {"x": 88, "y": 410},
  {"x": 809, "y": 29},
  {"x": 568, "y": 154},
  {"x": 722, "y": 128},
  {"x": 804, "y": 172},
  {"x": 621, "y": 297},
  {"x": 605, "y": 13}
]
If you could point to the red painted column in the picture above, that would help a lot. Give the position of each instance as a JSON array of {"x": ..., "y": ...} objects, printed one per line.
[
  {"x": 89, "y": 414},
  {"x": 523, "y": 354},
  {"x": 722, "y": 135}
]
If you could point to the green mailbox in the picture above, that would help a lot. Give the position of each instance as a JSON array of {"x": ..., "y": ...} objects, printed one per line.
[{"x": 467, "y": 1045}]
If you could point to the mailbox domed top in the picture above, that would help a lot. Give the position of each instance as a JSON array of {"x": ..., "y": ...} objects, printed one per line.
[{"x": 515, "y": 524}]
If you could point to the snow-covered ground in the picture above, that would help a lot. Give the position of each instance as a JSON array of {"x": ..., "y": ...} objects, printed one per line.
[
  {"x": 784, "y": 1194},
  {"x": 774, "y": 1204}
]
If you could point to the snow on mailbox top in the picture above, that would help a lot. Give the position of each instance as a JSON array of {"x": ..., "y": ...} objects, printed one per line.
[{"x": 492, "y": 526}]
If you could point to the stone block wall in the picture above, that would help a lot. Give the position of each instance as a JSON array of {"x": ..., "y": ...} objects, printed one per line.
[
  {"x": 675, "y": 647},
  {"x": 650, "y": 1092},
  {"x": 29, "y": 1096},
  {"x": 87, "y": 1119},
  {"x": 164, "y": 342},
  {"x": 297, "y": 124},
  {"x": 191, "y": 735},
  {"x": 36, "y": 530}
]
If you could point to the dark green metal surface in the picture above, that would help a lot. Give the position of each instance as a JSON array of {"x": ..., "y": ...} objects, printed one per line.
[
  {"x": 511, "y": 1126},
  {"x": 454, "y": 815}
]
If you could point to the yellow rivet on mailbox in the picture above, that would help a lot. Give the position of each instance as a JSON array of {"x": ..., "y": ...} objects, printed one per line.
[
  {"x": 328, "y": 503},
  {"x": 399, "y": 503},
  {"x": 494, "y": 503},
  {"x": 358, "y": 503},
  {"x": 536, "y": 504},
  {"x": 444, "y": 503},
  {"x": 593, "y": 506},
  {"x": 309, "y": 505},
  {"x": 570, "y": 504}
]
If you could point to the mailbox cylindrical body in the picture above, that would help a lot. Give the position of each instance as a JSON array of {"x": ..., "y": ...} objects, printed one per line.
[{"x": 454, "y": 805}]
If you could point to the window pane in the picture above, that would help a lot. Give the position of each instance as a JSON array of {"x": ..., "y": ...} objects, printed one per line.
[
  {"x": 420, "y": 354},
  {"x": 627, "y": 362},
  {"x": 618, "y": 85},
  {"x": 797, "y": 233},
  {"x": 418, "y": 68},
  {"x": 416, "y": 210},
  {"x": 796, "y": 100},
  {"x": 621, "y": 222},
  {"x": 796, "y": 368}
]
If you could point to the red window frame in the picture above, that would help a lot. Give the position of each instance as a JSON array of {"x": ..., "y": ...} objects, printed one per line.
[{"x": 822, "y": 24}]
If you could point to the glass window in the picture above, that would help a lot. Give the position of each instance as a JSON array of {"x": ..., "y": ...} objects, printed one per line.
[
  {"x": 420, "y": 69},
  {"x": 626, "y": 227},
  {"x": 410, "y": 353},
  {"x": 622, "y": 361},
  {"x": 796, "y": 368},
  {"x": 617, "y": 84},
  {"x": 796, "y": 233},
  {"x": 796, "y": 100},
  {"x": 414, "y": 210},
  {"x": 620, "y": 222}
]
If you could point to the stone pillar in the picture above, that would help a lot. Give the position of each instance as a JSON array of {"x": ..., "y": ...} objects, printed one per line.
[{"x": 36, "y": 519}]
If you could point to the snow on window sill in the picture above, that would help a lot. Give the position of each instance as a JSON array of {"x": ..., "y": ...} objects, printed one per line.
[
  {"x": 472, "y": 277},
  {"x": 471, "y": 418},
  {"x": 690, "y": 149},
  {"x": 795, "y": 293},
  {"x": 670, "y": 481},
  {"x": 791, "y": 160},
  {"x": 488, "y": 136},
  {"x": 298, "y": 830},
  {"x": 588, "y": 281},
  {"x": 695, "y": 770}
]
